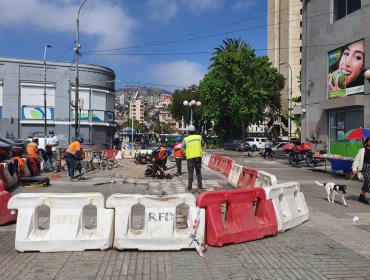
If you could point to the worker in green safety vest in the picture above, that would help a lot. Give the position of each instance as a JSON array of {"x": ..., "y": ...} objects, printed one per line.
[{"x": 192, "y": 145}]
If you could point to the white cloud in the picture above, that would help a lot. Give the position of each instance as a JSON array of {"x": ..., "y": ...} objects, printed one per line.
[
  {"x": 161, "y": 10},
  {"x": 200, "y": 6},
  {"x": 106, "y": 21},
  {"x": 242, "y": 4},
  {"x": 181, "y": 73}
]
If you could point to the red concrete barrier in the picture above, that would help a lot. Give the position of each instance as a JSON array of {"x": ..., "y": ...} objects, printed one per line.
[
  {"x": 5, "y": 214},
  {"x": 215, "y": 162},
  {"x": 3, "y": 178},
  {"x": 249, "y": 216},
  {"x": 247, "y": 178},
  {"x": 225, "y": 168},
  {"x": 110, "y": 153}
]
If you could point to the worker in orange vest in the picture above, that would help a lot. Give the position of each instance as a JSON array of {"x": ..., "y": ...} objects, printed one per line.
[
  {"x": 33, "y": 148},
  {"x": 72, "y": 154},
  {"x": 159, "y": 161},
  {"x": 178, "y": 154}
]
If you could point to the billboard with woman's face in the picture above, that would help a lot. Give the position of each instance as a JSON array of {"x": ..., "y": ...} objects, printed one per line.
[{"x": 345, "y": 65}]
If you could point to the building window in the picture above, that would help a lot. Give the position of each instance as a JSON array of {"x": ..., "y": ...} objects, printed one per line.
[{"x": 343, "y": 8}]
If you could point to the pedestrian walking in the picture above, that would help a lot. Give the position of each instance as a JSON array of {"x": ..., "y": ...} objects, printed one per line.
[
  {"x": 268, "y": 149},
  {"x": 178, "y": 153},
  {"x": 51, "y": 149},
  {"x": 192, "y": 145},
  {"x": 73, "y": 154},
  {"x": 361, "y": 168}
]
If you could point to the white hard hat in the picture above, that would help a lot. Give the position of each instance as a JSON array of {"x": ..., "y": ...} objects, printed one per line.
[{"x": 191, "y": 128}]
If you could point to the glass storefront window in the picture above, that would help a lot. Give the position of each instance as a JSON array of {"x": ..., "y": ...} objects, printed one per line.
[{"x": 340, "y": 123}]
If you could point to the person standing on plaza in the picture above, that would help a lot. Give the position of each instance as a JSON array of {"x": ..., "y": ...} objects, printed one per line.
[
  {"x": 361, "y": 168},
  {"x": 116, "y": 143},
  {"x": 192, "y": 145},
  {"x": 51, "y": 149},
  {"x": 178, "y": 153},
  {"x": 72, "y": 154},
  {"x": 268, "y": 149}
]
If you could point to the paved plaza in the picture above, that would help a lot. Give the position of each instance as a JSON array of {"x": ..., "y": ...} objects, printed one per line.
[{"x": 328, "y": 246}]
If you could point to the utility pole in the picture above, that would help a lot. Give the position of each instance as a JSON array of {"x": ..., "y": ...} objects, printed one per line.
[
  {"x": 77, "y": 47},
  {"x": 45, "y": 106}
]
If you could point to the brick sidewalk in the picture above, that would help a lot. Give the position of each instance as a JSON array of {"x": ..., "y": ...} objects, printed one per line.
[{"x": 328, "y": 246}]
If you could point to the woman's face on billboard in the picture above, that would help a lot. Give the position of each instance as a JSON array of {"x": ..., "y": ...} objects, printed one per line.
[{"x": 352, "y": 61}]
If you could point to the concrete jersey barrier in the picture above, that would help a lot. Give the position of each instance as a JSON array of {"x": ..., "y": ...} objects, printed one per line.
[
  {"x": 67, "y": 229},
  {"x": 159, "y": 229},
  {"x": 265, "y": 179},
  {"x": 128, "y": 153},
  {"x": 205, "y": 159},
  {"x": 236, "y": 170},
  {"x": 289, "y": 203},
  {"x": 12, "y": 179}
]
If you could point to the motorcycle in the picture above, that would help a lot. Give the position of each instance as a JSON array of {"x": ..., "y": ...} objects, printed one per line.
[
  {"x": 298, "y": 153},
  {"x": 313, "y": 160}
]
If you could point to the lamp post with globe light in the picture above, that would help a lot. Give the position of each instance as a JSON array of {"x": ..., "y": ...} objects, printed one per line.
[{"x": 191, "y": 104}]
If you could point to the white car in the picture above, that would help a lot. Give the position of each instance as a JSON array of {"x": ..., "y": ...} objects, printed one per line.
[
  {"x": 256, "y": 143},
  {"x": 278, "y": 145}
]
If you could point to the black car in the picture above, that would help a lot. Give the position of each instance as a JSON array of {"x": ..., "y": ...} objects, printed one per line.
[
  {"x": 16, "y": 148},
  {"x": 237, "y": 145}
]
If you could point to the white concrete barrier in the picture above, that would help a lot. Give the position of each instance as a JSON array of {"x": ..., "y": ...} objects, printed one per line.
[
  {"x": 144, "y": 151},
  {"x": 289, "y": 203},
  {"x": 12, "y": 179},
  {"x": 236, "y": 170},
  {"x": 265, "y": 179},
  {"x": 128, "y": 153},
  {"x": 205, "y": 159},
  {"x": 160, "y": 228},
  {"x": 67, "y": 224}
]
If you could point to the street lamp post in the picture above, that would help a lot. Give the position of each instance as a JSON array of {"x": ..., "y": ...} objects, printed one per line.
[
  {"x": 132, "y": 123},
  {"x": 290, "y": 99},
  {"x": 192, "y": 104},
  {"x": 45, "y": 107},
  {"x": 77, "y": 47}
]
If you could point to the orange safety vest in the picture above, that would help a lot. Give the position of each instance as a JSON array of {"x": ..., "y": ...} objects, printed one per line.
[
  {"x": 178, "y": 151},
  {"x": 74, "y": 147},
  {"x": 161, "y": 154},
  {"x": 32, "y": 149},
  {"x": 21, "y": 163}
]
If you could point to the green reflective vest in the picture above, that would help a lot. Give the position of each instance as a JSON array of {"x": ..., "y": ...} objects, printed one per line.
[{"x": 193, "y": 146}]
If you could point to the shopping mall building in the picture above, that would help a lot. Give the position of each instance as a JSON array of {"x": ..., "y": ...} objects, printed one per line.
[
  {"x": 335, "y": 41},
  {"x": 24, "y": 89}
]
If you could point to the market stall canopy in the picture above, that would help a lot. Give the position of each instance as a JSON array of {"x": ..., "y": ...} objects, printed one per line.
[
  {"x": 127, "y": 130},
  {"x": 358, "y": 133}
]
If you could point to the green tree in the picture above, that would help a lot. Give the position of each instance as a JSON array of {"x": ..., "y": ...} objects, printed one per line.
[{"x": 239, "y": 89}]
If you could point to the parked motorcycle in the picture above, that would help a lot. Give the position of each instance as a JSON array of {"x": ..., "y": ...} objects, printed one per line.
[
  {"x": 298, "y": 153},
  {"x": 313, "y": 161}
]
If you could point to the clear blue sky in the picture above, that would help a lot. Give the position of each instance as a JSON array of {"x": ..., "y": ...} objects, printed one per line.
[{"x": 160, "y": 43}]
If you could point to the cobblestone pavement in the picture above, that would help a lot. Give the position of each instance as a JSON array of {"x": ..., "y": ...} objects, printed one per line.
[{"x": 328, "y": 246}]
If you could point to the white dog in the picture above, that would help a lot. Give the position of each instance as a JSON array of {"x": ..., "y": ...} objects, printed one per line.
[{"x": 334, "y": 188}]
